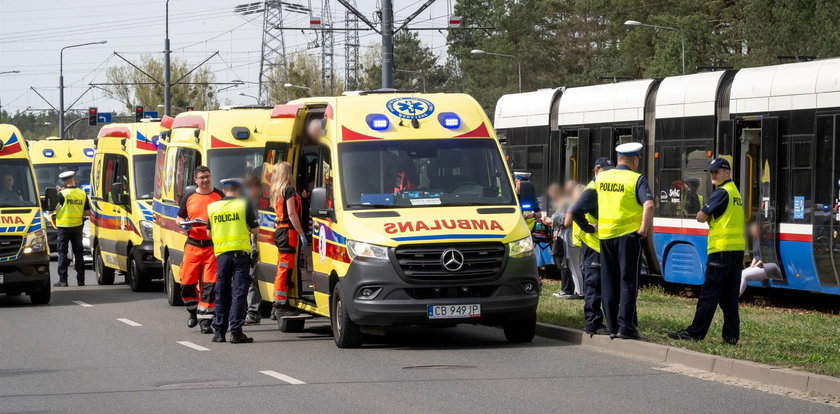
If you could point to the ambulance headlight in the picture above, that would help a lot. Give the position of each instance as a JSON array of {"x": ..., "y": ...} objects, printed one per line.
[
  {"x": 146, "y": 230},
  {"x": 36, "y": 242},
  {"x": 377, "y": 122},
  {"x": 522, "y": 247},
  {"x": 371, "y": 251},
  {"x": 449, "y": 120}
]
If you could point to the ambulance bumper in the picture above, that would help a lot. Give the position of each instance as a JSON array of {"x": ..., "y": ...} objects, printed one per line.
[
  {"x": 146, "y": 261},
  {"x": 29, "y": 273},
  {"x": 502, "y": 300}
]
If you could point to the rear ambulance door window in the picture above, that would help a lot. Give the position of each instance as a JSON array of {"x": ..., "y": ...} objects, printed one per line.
[
  {"x": 325, "y": 174},
  {"x": 96, "y": 177},
  {"x": 160, "y": 162},
  {"x": 122, "y": 174},
  {"x": 185, "y": 163},
  {"x": 275, "y": 152},
  {"x": 109, "y": 173}
]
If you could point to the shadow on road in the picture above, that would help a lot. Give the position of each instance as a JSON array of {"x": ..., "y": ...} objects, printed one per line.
[{"x": 91, "y": 293}]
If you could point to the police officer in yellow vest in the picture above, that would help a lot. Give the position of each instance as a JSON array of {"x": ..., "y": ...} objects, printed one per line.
[
  {"x": 585, "y": 232},
  {"x": 625, "y": 214},
  {"x": 231, "y": 222},
  {"x": 725, "y": 214},
  {"x": 73, "y": 207},
  {"x": 527, "y": 198}
]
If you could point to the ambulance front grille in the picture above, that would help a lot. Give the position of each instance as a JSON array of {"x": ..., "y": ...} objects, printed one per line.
[
  {"x": 10, "y": 245},
  {"x": 423, "y": 262}
]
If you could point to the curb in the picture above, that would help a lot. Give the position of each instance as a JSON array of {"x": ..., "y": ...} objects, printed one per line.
[{"x": 766, "y": 374}]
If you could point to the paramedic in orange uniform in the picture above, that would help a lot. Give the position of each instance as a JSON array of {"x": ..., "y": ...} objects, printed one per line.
[
  {"x": 288, "y": 234},
  {"x": 198, "y": 270}
]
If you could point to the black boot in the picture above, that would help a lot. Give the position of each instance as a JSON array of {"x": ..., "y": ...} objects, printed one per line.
[
  {"x": 240, "y": 338},
  {"x": 192, "y": 321},
  {"x": 205, "y": 326}
]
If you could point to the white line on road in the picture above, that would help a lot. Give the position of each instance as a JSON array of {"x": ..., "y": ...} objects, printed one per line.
[
  {"x": 129, "y": 322},
  {"x": 281, "y": 377},
  {"x": 193, "y": 346},
  {"x": 83, "y": 304}
]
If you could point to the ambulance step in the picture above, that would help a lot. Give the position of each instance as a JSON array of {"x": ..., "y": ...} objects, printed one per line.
[{"x": 298, "y": 316}]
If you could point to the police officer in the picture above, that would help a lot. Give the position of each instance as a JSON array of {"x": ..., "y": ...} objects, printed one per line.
[
  {"x": 231, "y": 222},
  {"x": 73, "y": 207},
  {"x": 725, "y": 214},
  {"x": 527, "y": 198},
  {"x": 585, "y": 215},
  {"x": 625, "y": 214}
]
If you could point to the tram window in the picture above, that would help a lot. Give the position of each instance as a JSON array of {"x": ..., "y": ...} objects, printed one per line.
[
  {"x": 671, "y": 157},
  {"x": 680, "y": 181},
  {"x": 516, "y": 136},
  {"x": 537, "y": 135}
]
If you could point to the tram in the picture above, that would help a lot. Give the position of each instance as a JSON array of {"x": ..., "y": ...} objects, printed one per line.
[{"x": 778, "y": 125}]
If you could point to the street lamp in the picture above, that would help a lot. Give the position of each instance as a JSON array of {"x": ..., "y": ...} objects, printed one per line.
[
  {"x": 289, "y": 85},
  {"x": 167, "y": 75},
  {"x": 250, "y": 96},
  {"x": 61, "y": 83},
  {"x": 682, "y": 35},
  {"x": 418, "y": 73},
  {"x": 518, "y": 62}
]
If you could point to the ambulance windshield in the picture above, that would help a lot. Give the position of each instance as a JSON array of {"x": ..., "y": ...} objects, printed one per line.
[
  {"x": 17, "y": 189},
  {"x": 48, "y": 174},
  {"x": 144, "y": 176},
  {"x": 416, "y": 173},
  {"x": 233, "y": 163}
]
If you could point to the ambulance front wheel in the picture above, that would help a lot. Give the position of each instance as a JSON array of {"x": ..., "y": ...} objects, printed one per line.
[
  {"x": 346, "y": 333},
  {"x": 41, "y": 297},
  {"x": 523, "y": 331},
  {"x": 104, "y": 274},
  {"x": 133, "y": 277},
  {"x": 173, "y": 290}
]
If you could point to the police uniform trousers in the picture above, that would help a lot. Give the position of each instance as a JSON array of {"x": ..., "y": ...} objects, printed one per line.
[
  {"x": 592, "y": 314},
  {"x": 721, "y": 287},
  {"x": 232, "y": 281},
  {"x": 70, "y": 236},
  {"x": 621, "y": 259},
  {"x": 198, "y": 277}
]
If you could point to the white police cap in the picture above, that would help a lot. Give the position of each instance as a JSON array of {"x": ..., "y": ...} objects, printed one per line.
[
  {"x": 630, "y": 149},
  {"x": 67, "y": 175},
  {"x": 237, "y": 182}
]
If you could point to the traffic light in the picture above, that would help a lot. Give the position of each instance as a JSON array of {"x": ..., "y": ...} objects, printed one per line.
[
  {"x": 93, "y": 116},
  {"x": 190, "y": 108},
  {"x": 138, "y": 113}
]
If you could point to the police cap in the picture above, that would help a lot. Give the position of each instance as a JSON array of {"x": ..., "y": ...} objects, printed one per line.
[
  {"x": 231, "y": 182},
  {"x": 630, "y": 149},
  {"x": 522, "y": 175},
  {"x": 717, "y": 164},
  {"x": 603, "y": 163},
  {"x": 67, "y": 175}
]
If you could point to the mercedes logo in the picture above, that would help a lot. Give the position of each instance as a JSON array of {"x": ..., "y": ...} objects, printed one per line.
[{"x": 452, "y": 260}]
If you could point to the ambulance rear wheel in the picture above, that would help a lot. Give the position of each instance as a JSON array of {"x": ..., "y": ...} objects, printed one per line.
[
  {"x": 41, "y": 297},
  {"x": 522, "y": 331},
  {"x": 288, "y": 325},
  {"x": 135, "y": 280},
  {"x": 173, "y": 290},
  {"x": 346, "y": 333},
  {"x": 104, "y": 274}
]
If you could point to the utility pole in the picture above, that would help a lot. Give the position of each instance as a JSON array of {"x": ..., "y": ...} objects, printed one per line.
[
  {"x": 351, "y": 52},
  {"x": 167, "y": 76},
  {"x": 387, "y": 31},
  {"x": 327, "y": 50}
]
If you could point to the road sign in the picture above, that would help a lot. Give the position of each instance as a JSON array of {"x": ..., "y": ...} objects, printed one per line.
[
  {"x": 150, "y": 114},
  {"x": 103, "y": 118}
]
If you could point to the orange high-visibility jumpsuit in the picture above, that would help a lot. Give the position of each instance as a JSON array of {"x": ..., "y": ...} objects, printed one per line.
[{"x": 286, "y": 240}]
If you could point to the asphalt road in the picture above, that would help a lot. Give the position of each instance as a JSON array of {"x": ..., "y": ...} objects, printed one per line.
[{"x": 106, "y": 349}]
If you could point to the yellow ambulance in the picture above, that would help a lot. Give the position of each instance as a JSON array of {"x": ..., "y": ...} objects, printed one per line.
[
  {"x": 53, "y": 156},
  {"x": 122, "y": 185},
  {"x": 229, "y": 141},
  {"x": 414, "y": 218},
  {"x": 24, "y": 254}
]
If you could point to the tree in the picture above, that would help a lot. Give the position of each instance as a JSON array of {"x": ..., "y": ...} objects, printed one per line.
[
  {"x": 304, "y": 70},
  {"x": 147, "y": 93},
  {"x": 416, "y": 66}
]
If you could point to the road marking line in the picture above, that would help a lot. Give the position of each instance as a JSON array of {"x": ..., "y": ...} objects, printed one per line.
[
  {"x": 129, "y": 322},
  {"x": 83, "y": 304},
  {"x": 282, "y": 377},
  {"x": 193, "y": 346}
]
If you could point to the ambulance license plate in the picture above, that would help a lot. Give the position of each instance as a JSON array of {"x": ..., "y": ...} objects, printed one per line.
[
  {"x": 453, "y": 311},
  {"x": 1, "y": 278}
]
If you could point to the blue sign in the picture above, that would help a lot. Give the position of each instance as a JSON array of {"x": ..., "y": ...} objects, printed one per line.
[
  {"x": 410, "y": 108},
  {"x": 798, "y": 207},
  {"x": 103, "y": 117},
  {"x": 150, "y": 114}
]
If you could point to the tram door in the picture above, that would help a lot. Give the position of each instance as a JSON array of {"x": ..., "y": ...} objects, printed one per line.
[{"x": 826, "y": 233}]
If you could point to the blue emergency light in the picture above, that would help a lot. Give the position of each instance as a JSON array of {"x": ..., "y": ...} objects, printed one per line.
[
  {"x": 88, "y": 152},
  {"x": 48, "y": 153},
  {"x": 449, "y": 120},
  {"x": 526, "y": 206},
  {"x": 377, "y": 122},
  {"x": 156, "y": 141}
]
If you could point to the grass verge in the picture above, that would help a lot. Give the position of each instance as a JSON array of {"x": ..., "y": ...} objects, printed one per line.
[{"x": 804, "y": 340}]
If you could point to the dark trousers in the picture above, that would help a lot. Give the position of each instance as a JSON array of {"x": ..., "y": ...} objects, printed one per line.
[
  {"x": 722, "y": 287},
  {"x": 592, "y": 314},
  {"x": 70, "y": 236},
  {"x": 232, "y": 281},
  {"x": 621, "y": 259},
  {"x": 566, "y": 282}
]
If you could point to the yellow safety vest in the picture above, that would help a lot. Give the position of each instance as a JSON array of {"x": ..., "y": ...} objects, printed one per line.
[
  {"x": 228, "y": 228},
  {"x": 72, "y": 210},
  {"x": 581, "y": 237},
  {"x": 727, "y": 231},
  {"x": 619, "y": 212}
]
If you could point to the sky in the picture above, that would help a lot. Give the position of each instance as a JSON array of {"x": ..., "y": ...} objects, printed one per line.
[{"x": 32, "y": 34}]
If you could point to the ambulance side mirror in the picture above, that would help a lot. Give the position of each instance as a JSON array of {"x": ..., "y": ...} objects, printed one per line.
[
  {"x": 318, "y": 203},
  {"x": 117, "y": 194},
  {"x": 50, "y": 201}
]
